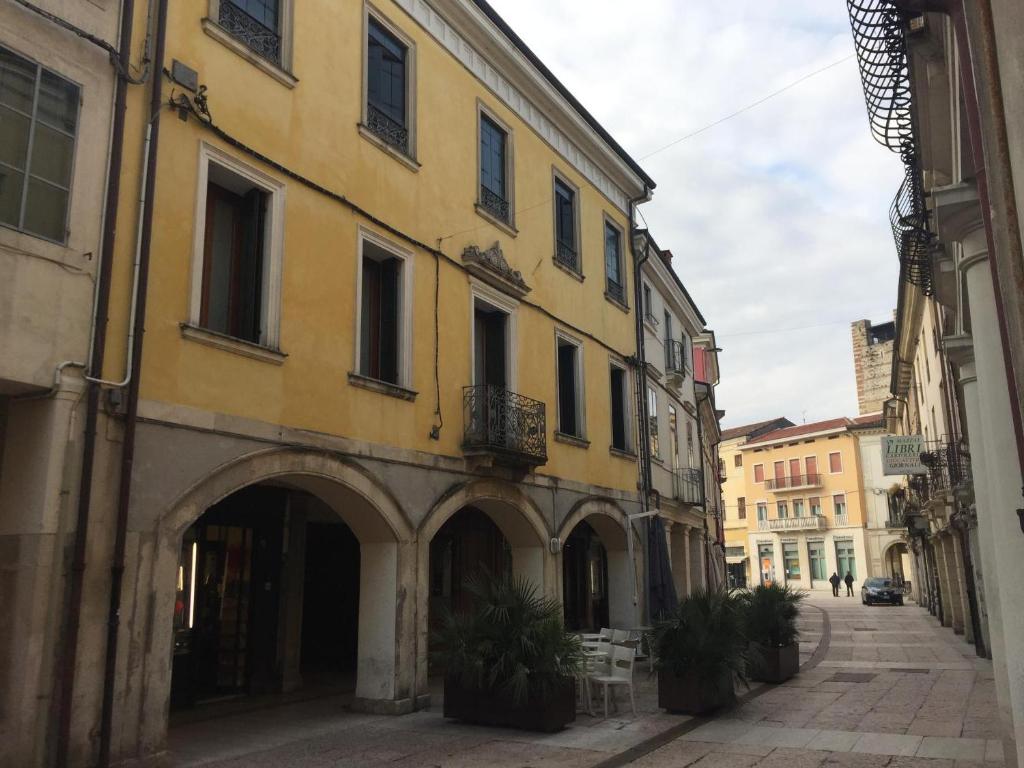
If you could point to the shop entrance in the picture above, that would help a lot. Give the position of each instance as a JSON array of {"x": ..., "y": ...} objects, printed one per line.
[{"x": 584, "y": 580}]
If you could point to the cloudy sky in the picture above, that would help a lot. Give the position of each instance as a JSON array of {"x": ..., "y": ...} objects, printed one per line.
[{"x": 777, "y": 217}]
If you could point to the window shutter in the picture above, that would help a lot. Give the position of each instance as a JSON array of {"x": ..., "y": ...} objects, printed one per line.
[
  {"x": 389, "y": 291},
  {"x": 250, "y": 270}
]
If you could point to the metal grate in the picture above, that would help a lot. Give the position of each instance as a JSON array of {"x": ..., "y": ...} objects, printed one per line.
[
  {"x": 388, "y": 129},
  {"x": 494, "y": 204},
  {"x": 689, "y": 485},
  {"x": 879, "y": 40},
  {"x": 852, "y": 677},
  {"x": 257, "y": 37},
  {"x": 505, "y": 423}
]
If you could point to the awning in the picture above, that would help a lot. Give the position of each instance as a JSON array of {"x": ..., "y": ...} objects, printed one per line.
[{"x": 734, "y": 559}]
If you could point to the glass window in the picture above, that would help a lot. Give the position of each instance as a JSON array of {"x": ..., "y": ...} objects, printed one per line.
[
  {"x": 233, "y": 258},
  {"x": 565, "y": 225},
  {"x": 782, "y": 508},
  {"x": 673, "y": 435},
  {"x": 759, "y": 473},
  {"x": 613, "y": 262},
  {"x": 815, "y": 504},
  {"x": 264, "y": 11},
  {"x": 38, "y": 123},
  {"x": 493, "y": 168},
  {"x": 741, "y": 508},
  {"x": 569, "y": 422},
  {"x": 791, "y": 560},
  {"x": 379, "y": 324},
  {"x": 798, "y": 507},
  {"x": 846, "y": 560},
  {"x": 255, "y": 23},
  {"x": 816, "y": 554},
  {"x": 386, "y": 86},
  {"x": 762, "y": 510},
  {"x": 835, "y": 463},
  {"x": 839, "y": 502},
  {"x": 737, "y": 460},
  {"x": 620, "y": 429},
  {"x": 652, "y": 415}
]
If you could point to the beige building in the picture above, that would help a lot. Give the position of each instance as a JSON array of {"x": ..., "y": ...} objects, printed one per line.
[
  {"x": 945, "y": 94},
  {"x": 872, "y": 363}
]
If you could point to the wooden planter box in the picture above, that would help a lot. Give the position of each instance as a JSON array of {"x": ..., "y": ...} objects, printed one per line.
[
  {"x": 774, "y": 665},
  {"x": 689, "y": 695},
  {"x": 548, "y": 714}
]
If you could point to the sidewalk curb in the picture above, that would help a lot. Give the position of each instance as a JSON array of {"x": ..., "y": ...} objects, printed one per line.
[{"x": 671, "y": 734}]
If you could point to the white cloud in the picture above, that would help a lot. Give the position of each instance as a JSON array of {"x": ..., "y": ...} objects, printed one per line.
[{"x": 777, "y": 217}]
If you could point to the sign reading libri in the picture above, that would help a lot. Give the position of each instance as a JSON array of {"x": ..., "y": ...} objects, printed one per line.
[{"x": 901, "y": 455}]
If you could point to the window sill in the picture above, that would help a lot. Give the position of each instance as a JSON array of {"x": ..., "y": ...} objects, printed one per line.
[
  {"x": 381, "y": 387},
  {"x": 579, "y": 442},
  {"x": 231, "y": 344},
  {"x": 407, "y": 160},
  {"x": 651, "y": 325},
  {"x": 658, "y": 460},
  {"x": 568, "y": 270},
  {"x": 616, "y": 302},
  {"x": 225, "y": 38},
  {"x": 507, "y": 226},
  {"x": 621, "y": 453}
]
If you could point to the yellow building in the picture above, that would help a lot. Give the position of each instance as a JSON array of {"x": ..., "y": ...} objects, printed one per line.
[
  {"x": 795, "y": 502},
  {"x": 371, "y": 325}
]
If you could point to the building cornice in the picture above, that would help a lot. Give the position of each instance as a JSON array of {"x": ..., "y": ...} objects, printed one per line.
[
  {"x": 465, "y": 31},
  {"x": 796, "y": 438}
]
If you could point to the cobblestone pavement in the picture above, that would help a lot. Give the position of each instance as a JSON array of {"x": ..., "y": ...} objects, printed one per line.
[
  {"x": 893, "y": 689},
  {"x": 928, "y": 699}
]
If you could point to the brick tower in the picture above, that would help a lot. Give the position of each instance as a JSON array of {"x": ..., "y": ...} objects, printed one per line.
[{"x": 872, "y": 362}]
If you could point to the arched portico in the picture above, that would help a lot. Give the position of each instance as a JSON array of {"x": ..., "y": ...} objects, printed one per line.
[
  {"x": 384, "y": 669},
  {"x": 520, "y": 522},
  {"x": 609, "y": 522}
]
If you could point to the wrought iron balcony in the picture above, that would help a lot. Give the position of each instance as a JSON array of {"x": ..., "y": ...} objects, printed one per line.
[
  {"x": 256, "y": 36},
  {"x": 565, "y": 254},
  {"x": 495, "y": 204},
  {"x": 688, "y": 486},
  {"x": 389, "y": 130},
  {"x": 616, "y": 290},
  {"x": 949, "y": 468},
  {"x": 793, "y": 482},
  {"x": 811, "y": 523},
  {"x": 675, "y": 357},
  {"x": 510, "y": 427}
]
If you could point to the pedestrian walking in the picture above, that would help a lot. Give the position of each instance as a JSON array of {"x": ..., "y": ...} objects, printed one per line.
[
  {"x": 849, "y": 584},
  {"x": 834, "y": 580}
]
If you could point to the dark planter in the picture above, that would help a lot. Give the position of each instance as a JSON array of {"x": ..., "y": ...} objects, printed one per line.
[
  {"x": 690, "y": 695},
  {"x": 548, "y": 714},
  {"x": 773, "y": 665}
]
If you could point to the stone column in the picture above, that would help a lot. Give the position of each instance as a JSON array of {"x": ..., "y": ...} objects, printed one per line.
[
  {"x": 696, "y": 560},
  {"x": 961, "y": 580},
  {"x": 1002, "y": 470},
  {"x": 954, "y": 577},
  {"x": 678, "y": 550},
  {"x": 943, "y": 576},
  {"x": 685, "y": 578}
]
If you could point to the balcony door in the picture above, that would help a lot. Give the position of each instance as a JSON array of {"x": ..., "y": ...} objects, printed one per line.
[
  {"x": 811, "y": 462},
  {"x": 794, "y": 472},
  {"x": 780, "y": 474},
  {"x": 490, "y": 331}
]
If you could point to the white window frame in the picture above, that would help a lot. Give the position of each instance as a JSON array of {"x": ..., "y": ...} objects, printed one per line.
[
  {"x": 810, "y": 506},
  {"x": 840, "y": 455},
  {"x": 627, "y": 405},
  {"x": 273, "y": 242},
  {"x": 482, "y": 110},
  {"x": 803, "y": 508},
  {"x": 652, "y": 394},
  {"x": 281, "y": 72},
  {"x": 485, "y": 294},
  {"x": 405, "y": 307},
  {"x": 757, "y": 510},
  {"x": 607, "y": 220},
  {"x": 370, "y": 10},
  {"x": 779, "y": 506},
  {"x": 561, "y": 337},
  {"x": 846, "y": 504}
]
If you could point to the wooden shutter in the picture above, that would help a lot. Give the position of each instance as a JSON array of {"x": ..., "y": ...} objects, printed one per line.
[{"x": 389, "y": 312}]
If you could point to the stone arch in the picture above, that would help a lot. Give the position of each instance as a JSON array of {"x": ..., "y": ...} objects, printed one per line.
[
  {"x": 384, "y": 676},
  {"x": 520, "y": 521},
  {"x": 610, "y": 522}
]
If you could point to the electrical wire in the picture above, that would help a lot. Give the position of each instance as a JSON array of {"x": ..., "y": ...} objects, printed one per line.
[
  {"x": 725, "y": 335},
  {"x": 749, "y": 106}
]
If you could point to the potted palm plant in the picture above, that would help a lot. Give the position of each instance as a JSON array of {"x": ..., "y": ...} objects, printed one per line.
[
  {"x": 509, "y": 660},
  {"x": 700, "y": 653},
  {"x": 769, "y": 616}
]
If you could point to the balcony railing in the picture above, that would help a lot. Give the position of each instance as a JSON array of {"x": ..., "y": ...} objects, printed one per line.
[
  {"x": 387, "y": 128},
  {"x": 495, "y": 204},
  {"x": 259, "y": 38},
  {"x": 565, "y": 254},
  {"x": 511, "y": 427},
  {"x": 811, "y": 523},
  {"x": 675, "y": 357},
  {"x": 842, "y": 519},
  {"x": 949, "y": 466},
  {"x": 688, "y": 486},
  {"x": 793, "y": 482},
  {"x": 616, "y": 290}
]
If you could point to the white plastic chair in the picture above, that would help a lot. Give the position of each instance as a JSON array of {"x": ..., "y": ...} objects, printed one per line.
[
  {"x": 620, "y": 672},
  {"x": 620, "y": 635}
]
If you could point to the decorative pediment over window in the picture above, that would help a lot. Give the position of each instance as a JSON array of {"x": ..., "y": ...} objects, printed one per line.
[{"x": 491, "y": 267}]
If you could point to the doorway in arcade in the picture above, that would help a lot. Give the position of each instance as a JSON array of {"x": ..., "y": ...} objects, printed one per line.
[
  {"x": 584, "y": 580},
  {"x": 267, "y": 599}
]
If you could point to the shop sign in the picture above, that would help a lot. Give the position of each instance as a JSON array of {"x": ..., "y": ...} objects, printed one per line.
[{"x": 901, "y": 455}]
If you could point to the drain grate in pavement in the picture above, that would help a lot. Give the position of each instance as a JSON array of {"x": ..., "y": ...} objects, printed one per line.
[
  {"x": 914, "y": 670},
  {"x": 852, "y": 677},
  {"x": 864, "y": 629}
]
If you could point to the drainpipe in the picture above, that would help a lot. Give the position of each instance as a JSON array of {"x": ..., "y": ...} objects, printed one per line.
[
  {"x": 132, "y": 404},
  {"x": 73, "y": 611},
  {"x": 644, "y": 451}
]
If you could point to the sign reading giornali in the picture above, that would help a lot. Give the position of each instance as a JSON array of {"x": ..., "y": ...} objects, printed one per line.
[{"x": 901, "y": 455}]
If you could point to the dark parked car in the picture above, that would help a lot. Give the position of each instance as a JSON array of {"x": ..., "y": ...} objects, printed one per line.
[{"x": 880, "y": 590}]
